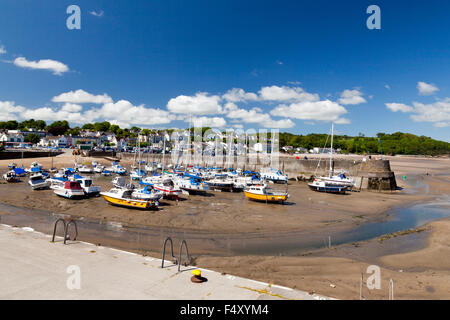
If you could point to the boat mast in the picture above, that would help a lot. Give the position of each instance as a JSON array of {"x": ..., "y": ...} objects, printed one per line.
[
  {"x": 331, "y": 150},
  {"x": 164, "y": 153},
  {"x": 139, "y": 148}
]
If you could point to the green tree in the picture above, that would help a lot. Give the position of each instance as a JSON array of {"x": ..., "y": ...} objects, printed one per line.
[
  {"x": 33, "y": 138},
  {"x": 58, "y": 128}
]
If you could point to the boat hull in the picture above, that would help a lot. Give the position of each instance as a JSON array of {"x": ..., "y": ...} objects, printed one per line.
[
  {"x": 265, "y": 197},
  {"x": 329, "y": 189},
  {"x": 220, "y": 187},
  {"x": 69, "y": 195},
  {"x": 129, "y": 203}
]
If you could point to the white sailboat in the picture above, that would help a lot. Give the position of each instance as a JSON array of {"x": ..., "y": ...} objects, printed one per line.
[{"x": 332, "y": 183}]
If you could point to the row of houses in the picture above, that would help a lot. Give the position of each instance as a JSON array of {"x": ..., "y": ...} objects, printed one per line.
[{"x": 85, "y": 140}]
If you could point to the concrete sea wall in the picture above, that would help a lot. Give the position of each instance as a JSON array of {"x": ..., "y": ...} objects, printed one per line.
[{"x": 6, "y": 155}]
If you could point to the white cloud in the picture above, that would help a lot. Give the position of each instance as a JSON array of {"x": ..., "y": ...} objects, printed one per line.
[
  {"x": 387, "y": 86},
  {"x": 200, "y": 104},
  {"x": 57, "y": 67},
  {"x": 437, "y": 112},
  {"x": 343, "y": 121},
  {"x": 399, "y": 107},
  {"x": 9, "y": 110},
  {"x": 2, "y": 50},
  {"x": 238, "y": 95},
  {"x": 442, "y": 124},
  {"x": 426, "y": 89},
  {"x": 70, "y": 107},
  {"x": 351, "y": 97},
  {"x": 81, "y": 96},
  {"x": 125, "y": 111},
  {"x": 284, "y": 93},
  {"x": 99, "y": 14},
  {"x": 255, "y": 115},
  {"x": 325, "y": 110}
]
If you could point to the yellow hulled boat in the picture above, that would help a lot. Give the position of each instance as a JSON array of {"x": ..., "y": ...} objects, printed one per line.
[
  {"x": 123, "y": 198},
  {"x": 262, "y": 193}
]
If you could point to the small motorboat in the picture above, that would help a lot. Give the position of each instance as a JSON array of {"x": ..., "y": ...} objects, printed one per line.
[
  {"x": 85, "y": 169},
  {"x": 35, "y": 168},
  {"x": 263, "y": 193},
  {"x": 57, "y": 182},
  {"x": 119, "y": 182},
  {"x": 20, "y": 172},
  {"x": 221, "y": 184},
  {"x": 38, "y": 181},
  {"x": 12, "y": 166},
  {"x": 88, "y": 186},
  {"x": 324, "y": 186},
  {"x": 10, "y": 177},
  {"x": 137, "y": 174},
  {"x": 106, "y": 173},
  {"x": 151, "y": 180},
  {"x": 64, "y": 173},
  {"x": 99, "y": 169},
  {"x": 70, "y": 190},
  {"x": 168, "y": 188},
  {"x": 147, "y": 193},
  {"x": 124, "y": 198},
  {"x": 275, "y": 176},
  {"x": 118, "y": 169},
  {"x": 339, "y": 180},
  {"x": 191, "y": 184}
]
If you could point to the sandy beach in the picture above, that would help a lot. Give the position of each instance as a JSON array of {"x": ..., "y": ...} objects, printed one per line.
[{"x": 419, "y": 271}]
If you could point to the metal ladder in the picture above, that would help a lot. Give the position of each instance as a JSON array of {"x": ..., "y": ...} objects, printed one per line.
[
  {"x": 66, "y": 229},
  {"x": 177, "y": 262}
]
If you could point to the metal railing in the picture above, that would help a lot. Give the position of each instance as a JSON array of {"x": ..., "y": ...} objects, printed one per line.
[
  {"x": 164, "y": 251},
  {"x": 187, "y": 255},
  {"x": 176, "y": 261},
  {"x": 66, "y": 229}
]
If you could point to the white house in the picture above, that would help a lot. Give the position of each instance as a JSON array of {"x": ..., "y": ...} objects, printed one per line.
[{"x": 14, "y": 136}]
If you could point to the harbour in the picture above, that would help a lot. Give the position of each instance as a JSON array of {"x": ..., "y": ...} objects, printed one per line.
[{"x": 220, "y": 226}]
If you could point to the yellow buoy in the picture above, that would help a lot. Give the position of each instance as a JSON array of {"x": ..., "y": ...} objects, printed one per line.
[{"x": 197, "y": 272}]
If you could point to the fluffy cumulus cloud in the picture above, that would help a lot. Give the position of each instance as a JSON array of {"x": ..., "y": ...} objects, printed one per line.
[
  {"x": 81, "y": 96},
  {"x": 239, "y": 95},
  {"x": 426, "y": 89},
  {"x": 58, "y": 68},
  {"x": 399, "y": 107},
  {"x": 10, "y": 111},
  {"x": 200, "y": 104},
  {"x": 2, "y": 50},
  {"x": 201, "y": 109},
  {"x": 324, "y": 110},
  {"x": 438, "y": 112},
  {"x": 122, "y": 111},
  {"x": 284, "y": 93},
  {"x": 70, "y": 107},
  {"x": 351, "y": 97},
  {"x": 125, "y": 111},
  {"x": 256, "y": 116}
]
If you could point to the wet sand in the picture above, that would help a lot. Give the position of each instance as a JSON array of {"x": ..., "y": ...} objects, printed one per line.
[
  {"x": 222, "y": 212},
  {"x": 425, "y": 270}
]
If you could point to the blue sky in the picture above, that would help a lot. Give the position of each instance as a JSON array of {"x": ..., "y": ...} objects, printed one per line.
[{"x": 295, "y": 65}]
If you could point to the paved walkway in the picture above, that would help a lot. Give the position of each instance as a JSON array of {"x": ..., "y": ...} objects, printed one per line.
[{"x": 32, "y": 267}]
